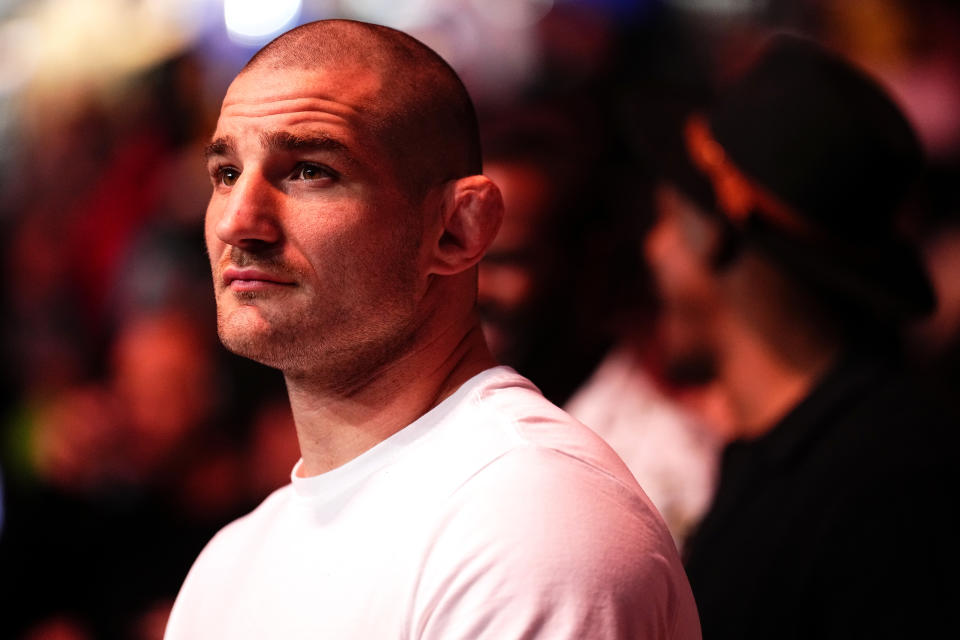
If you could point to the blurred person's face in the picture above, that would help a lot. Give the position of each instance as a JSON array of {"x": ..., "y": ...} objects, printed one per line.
[
  {"x": 677, "y": 249},
  {"x": 314, "y": 244},
  {"x": 511, "y": 274},
  {"x": 163, "y": 374}
]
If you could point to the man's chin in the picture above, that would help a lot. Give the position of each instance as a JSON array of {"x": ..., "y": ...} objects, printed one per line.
[
  {"x": 691, "y": 369},
  {"x": 247, "y": 334},
  {"x": 249, "y": 347}
]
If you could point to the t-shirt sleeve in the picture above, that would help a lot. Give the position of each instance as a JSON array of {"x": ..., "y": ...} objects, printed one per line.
[{"x": 541, "y": 545}]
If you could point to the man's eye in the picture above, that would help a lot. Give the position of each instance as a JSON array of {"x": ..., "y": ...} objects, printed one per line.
[
  {"x": 227, "y": 176},
  {"x": 305, "y": 171}
]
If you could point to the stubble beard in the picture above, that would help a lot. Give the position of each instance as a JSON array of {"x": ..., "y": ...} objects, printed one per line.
[
  {"x": 688, "y": 355},
  {"x": 336, "y": 343},
  {"x": 691, "y": 368},
  {"x": 338, "y": 351}
]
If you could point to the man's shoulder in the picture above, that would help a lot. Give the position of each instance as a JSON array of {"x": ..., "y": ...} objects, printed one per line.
[
  {"x": 897, "y": 427},
  {"x": 536, "y": 485},
  {"x": 235, "y": 537},
  {"x": 532, "y": 422},
  {"x": 553, "y": 534},
  {"x": 548, "y": 481}
]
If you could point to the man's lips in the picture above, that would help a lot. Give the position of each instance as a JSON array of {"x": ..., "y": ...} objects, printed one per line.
[{"x": 252, "y": 279}]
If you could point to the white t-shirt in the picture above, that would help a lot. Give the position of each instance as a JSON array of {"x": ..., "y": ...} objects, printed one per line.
[{"x": 493, "y": 516}]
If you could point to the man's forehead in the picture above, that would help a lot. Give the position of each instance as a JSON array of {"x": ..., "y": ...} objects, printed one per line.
[
  {"x": 352, "y": 85},
  {"x": 336, "y": 102}
]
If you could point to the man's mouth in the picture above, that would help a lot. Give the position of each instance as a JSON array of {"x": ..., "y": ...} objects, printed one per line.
[{"x": 248, "y": 279}]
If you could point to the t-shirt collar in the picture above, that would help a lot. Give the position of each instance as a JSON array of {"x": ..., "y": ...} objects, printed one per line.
[{"x": 340, "y": 479}]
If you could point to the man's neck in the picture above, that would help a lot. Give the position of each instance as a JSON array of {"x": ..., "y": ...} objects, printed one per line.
[
  {"x": 763, "y": 383},
  {"x": 334, "y": 427}
]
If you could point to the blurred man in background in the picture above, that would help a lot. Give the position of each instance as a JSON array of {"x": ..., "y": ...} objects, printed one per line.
[
  {"x": 784, "y": 279},
  {"x": 437, "y": 496},
  {"x": 541, "y": 283},
  {"x": 562, "y": 281}
]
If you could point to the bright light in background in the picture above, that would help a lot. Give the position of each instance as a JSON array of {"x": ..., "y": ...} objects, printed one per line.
[
  {"x": 399, "y": 14},
  {"x": 254, "y": 21},
  {"x": 513, "y": 14},
  {"x": 78, "y": 43},
  {"x": 190, "y": 16},
  {"x": 17, "y": 61}
]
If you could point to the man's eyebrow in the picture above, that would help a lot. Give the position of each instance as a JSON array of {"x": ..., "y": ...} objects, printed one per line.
[
  {"x": 286, "y": 141},
  {"x": 279, "y": 141},
  {"x": 222, "y": 146}
]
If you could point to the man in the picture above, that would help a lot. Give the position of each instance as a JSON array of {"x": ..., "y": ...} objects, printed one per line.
[
  {"x": 437, "y": 496},
  {"x": 783, "y": 277}
]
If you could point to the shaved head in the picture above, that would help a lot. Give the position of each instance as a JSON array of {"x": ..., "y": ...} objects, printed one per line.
[{"x": 422, "y": 113}]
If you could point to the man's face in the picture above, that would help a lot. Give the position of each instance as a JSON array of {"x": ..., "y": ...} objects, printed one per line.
[
  {"x": 512, "y": 272},
  {"x": 677, "y": 249},
  {"x": 314, "y": 245}
]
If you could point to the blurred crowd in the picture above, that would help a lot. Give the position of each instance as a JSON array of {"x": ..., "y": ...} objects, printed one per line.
[{"x": 129, "y": 436}]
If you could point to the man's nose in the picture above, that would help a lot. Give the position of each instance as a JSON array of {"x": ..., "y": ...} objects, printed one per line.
[
  {"x": 250, "y": 215},
  {"x": 653, "y": 243}
]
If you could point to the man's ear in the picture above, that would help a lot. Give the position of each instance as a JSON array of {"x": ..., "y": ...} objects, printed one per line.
[{"x": 471, "y": 213}]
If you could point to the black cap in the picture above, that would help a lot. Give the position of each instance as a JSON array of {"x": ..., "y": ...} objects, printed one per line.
[{"x": 811, "y": 160}]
